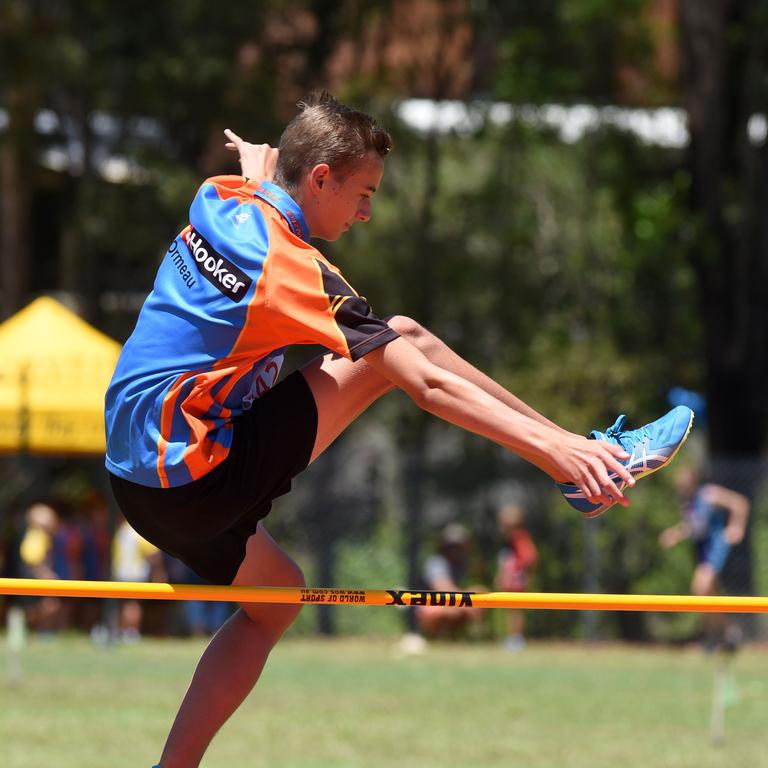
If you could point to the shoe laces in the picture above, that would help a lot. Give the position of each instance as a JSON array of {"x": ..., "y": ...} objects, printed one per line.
[
  {"x": 617, "y": 428},
  {"x": 617, "y": 432}
]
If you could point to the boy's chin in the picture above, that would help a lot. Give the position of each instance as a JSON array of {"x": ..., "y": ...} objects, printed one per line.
[{"x": 329, "y": 237}]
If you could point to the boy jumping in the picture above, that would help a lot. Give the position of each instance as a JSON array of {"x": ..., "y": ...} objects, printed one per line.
[{"x": 201, "y": 436}]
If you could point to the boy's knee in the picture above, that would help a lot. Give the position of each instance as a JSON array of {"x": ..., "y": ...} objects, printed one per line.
[
  {"x": 292, "y": 575},
  {"x": 277, "y": 617},
  {"x": 407, "y": 328}
]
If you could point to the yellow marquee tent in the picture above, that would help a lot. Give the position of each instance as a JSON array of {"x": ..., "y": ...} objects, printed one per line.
[{"x": 54, "y": 370}]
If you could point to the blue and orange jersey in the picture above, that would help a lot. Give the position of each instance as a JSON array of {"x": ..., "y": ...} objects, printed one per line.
[{"x": 235, "y": 288}]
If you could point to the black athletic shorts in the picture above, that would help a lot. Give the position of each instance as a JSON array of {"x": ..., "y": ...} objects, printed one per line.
[{"x": 207, "y": 522}]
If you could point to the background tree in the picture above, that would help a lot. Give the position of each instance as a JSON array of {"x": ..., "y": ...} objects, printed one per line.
[
  {"x": 589, "y": 276},
  {"x": 725, "y": 91}
]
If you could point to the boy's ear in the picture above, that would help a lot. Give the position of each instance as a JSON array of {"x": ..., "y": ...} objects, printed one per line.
[{"x": 319, "y": 175}]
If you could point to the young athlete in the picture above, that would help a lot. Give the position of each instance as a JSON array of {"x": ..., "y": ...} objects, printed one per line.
[
  {"x": 517, "y": 559},
  {"x": 201, "y": 437},
  {"x": 714, "y": 519}
]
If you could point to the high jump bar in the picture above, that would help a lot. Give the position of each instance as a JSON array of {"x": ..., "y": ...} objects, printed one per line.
[{"x": 398, "y": 597}]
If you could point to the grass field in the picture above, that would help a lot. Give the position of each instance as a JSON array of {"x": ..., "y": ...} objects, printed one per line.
[{"x": 356, "y": 704}]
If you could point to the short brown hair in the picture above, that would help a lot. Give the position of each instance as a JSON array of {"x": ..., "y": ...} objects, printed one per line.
[{"x": 326, "y": 131}]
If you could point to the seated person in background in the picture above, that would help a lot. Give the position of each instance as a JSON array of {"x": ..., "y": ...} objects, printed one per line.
[
  {"x": 134, "y": 559},
  {"x": 517, "y": 558},
  {"x": 447, "y": 571},
  {"x": 45, "y": 614},
  {"x": 201, "y": 618}
]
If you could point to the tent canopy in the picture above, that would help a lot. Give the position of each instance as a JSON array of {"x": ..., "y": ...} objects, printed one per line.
[{"x": 54, "y": 370}]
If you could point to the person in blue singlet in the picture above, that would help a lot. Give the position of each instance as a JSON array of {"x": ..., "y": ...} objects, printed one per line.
[{"x": 714, "y": 518}]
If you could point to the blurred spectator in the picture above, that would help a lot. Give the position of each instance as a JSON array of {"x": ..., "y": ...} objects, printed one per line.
[
  {"x": 93, "y": 523},
  {"x": 201, "y": 617},
  {"x": 67, "y": 557},
  {"x": 714, "y": 519},
  {"x": 45, "y": 614},
  {"x": 448, "y": 570},
  {"x": 134, "y": 559},
  {"x": 517, "y": 558},
  {"x": 67, "y": 551},
  {"x": 95, "y": 538},
  {"x": 37, "y": 542}
]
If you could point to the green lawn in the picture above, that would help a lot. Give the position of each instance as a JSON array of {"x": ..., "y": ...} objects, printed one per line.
[{"x": 356, "y": 704}]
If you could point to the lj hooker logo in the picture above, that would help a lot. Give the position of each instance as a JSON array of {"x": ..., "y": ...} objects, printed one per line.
[{"x": 217, "y": 270}]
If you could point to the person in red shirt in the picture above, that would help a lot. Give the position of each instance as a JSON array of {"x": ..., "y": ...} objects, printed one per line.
[
  {"x": 202, "y": 436},
  {"x": 517, "y": 559}
]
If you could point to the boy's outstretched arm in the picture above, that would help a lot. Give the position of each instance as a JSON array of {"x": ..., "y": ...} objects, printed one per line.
[
  {"x": 565, "y": 457},
  {"x": 438, "y": 352}
]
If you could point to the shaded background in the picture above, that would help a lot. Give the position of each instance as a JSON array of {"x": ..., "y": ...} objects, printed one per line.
[{"x": 576, "y": 202}]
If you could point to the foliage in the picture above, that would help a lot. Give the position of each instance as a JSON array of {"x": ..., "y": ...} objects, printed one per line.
[
  {"x": 548, "y": 51},
  {"x": 547, "y": 269},
  {"x": 563, "y": 270}
]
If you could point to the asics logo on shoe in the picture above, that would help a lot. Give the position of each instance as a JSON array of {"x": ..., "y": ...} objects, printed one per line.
[
  {"x": 221, "y": 273},
  {"x": 642, "y": 462}
]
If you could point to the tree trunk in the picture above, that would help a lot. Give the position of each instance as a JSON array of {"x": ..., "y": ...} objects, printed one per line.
[
  {"x": 730, "y": 254},
  {"x": 15, "y": 196},
  {"x": 723, "y": 83}
]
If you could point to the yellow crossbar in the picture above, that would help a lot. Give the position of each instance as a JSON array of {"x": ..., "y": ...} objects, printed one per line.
[{"x": 241, "y": 594}]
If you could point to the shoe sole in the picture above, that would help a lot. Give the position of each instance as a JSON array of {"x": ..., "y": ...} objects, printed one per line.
[{"x": 640, "y": 475}]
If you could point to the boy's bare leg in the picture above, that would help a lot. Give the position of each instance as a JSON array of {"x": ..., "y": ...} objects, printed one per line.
[
  {"x": 235, "y": 657},
  {"x": 232, "y": 663},
  {"x": 342, "y": 391}
]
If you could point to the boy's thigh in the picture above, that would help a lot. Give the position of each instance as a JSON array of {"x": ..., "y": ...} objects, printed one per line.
[
  {"x": 273, "y": 441},
  {"x": 342, "y": 390},
  {"x": 207, "y": 523}
]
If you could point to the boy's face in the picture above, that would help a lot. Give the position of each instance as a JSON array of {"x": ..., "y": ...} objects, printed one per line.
[{"x": 337, "y": 202}]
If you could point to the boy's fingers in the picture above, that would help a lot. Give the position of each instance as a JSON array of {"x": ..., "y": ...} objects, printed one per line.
[
  {"x": 616, "y": 450},
  {"x": 619, "y": 469},
  {"x": 614, "y": 492},
  {"x": 590, "y": 488},
  {"x": 609, "y": 490},
  {"x": 235, "y": 143},
  {"x": 624, "y": 474}
]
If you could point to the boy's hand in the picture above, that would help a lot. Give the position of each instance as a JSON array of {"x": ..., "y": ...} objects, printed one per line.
[
  {"x": 257, "y": 161},
  {"x": 593, "y": 466}
]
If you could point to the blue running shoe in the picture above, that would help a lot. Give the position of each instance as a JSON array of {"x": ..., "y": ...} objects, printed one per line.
[{"x": 650, "y": 448}]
